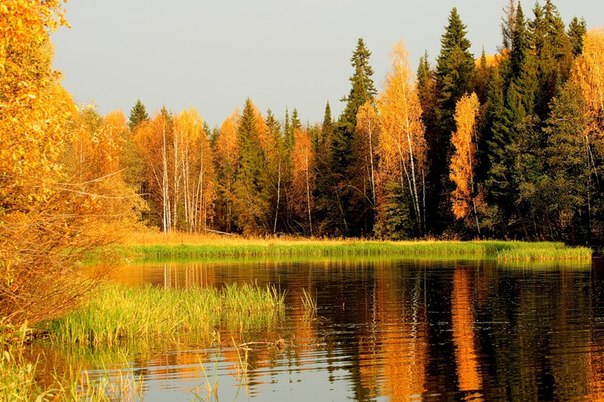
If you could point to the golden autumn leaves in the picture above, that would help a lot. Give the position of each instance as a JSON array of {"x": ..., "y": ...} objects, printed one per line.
[
  {"x": 47, "y": 219},
  {"x": 463, "y": 159},
  {"x": 392, "y": 138},
  {"x": 177, "y": 169}
]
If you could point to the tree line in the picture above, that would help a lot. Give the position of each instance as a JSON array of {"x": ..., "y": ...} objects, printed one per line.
[
  {"x": 498, "y": 146},
  {"x": 506, "y": 145}
]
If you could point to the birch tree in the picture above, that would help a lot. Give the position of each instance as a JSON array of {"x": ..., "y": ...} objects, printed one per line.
[
  {"x": 402, "y": 147},
  {"x": 463, "y": 160}
]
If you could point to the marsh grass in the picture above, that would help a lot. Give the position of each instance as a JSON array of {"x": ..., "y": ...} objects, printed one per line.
[
  {"x": 115, "y": 385},
  {"x": 20, "y": 377},
  {"x": 119, "y": 314},
  {"x": 157, "y": 246},
  {"x": 309, "y": 303},
  {"x": 18, "y": 374},
  {"x": 545, "y": 252}
]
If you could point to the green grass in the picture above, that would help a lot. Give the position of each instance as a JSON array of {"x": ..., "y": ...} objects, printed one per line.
[
  {"x": 501, "y": 250},
  {"x": 120, "y": 316},
  {"x": 20, "y": 378},
  {"x": 148, "y": 314}
]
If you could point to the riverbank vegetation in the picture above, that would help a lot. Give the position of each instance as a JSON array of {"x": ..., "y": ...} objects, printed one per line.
[
  {"x": 159, "y": 246},
  {"x": 146, "y": 317},
  {"x": 155, "y": 315}
]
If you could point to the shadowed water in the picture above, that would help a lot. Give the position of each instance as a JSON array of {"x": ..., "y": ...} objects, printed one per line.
[{"x": 390, "y": 330}]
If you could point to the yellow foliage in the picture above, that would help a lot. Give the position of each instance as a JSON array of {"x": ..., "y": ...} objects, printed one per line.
[
  {"x": 34, "y": 108},
  {"x": 303, "y": 166},
  {"x": 227, "y": 148},
  {"x": 463, "y": 159},
  {"x": 48, "y": 219},
  {"x": 402, "y": 145},
  {"x": 588, "y": 73},
  {"x": 402, "y": 140}
]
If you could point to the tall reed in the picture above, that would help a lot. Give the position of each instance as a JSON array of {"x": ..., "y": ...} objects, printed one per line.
[{"x": 149, "y": 314}]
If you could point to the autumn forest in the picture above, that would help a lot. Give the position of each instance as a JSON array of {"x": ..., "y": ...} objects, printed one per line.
[
  {"x": 504, "y": 146},
  {"x": 274, "y": 227}
]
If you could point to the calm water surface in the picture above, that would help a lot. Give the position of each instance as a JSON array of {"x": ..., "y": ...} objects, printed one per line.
[{"x": 392, "y": 330}]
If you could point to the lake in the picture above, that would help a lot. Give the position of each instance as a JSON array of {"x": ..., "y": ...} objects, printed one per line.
[{"x": 386, "y": 329}]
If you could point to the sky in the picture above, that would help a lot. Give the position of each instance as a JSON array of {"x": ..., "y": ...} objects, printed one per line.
[{"x": 213, "y": 55}]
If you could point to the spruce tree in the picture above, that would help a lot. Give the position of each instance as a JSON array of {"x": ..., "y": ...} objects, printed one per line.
[
  {"x": 426, "y": 86},
  {"x": 362, "y": 88},
  {"x": 554, "y": 53},
  {"x": 455, "y": 75},
  {"x": 566, "y": 191},
  {"x": 498, "y": 164},
  {"x": 345, "y": 199},
  {"x": 576, "y": 30},
  {"x": 138, "y": 114},
  {"x": 277, "y": 171},
  {"x": 325, "y": 208},
  {"x": 295, "y": 123},
  {"x": 520, "y": 43},
  {"x": 252, "y": 202},
  {"x": 483, "y": 77},
  {"x": 507, "y": 25},
  {"x": 288, "y": 132}
]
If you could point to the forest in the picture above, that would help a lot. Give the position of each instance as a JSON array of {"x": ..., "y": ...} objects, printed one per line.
[
  {"x": 505, "y": 146},
  {"x": 508, "y": 146}
]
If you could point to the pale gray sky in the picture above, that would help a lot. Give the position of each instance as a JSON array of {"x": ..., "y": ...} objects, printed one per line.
[{"x": 212, "y": 55}]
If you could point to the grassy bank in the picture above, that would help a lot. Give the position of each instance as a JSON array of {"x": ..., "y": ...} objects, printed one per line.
[
  {"x": 120, "y": 315},
  {"x": 148, "y": 314},
  {"x": 151, "y": 246}
]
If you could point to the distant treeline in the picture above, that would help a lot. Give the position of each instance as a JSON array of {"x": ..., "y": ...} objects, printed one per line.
[{"x": 500, "y": 146}]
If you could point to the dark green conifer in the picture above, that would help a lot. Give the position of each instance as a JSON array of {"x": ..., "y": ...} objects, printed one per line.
[
  {"x": 576, "y": 31},
  {"x": 455, "y": 77},
  {"x": 554, "y": 54},
  {"x": 325, "y": 207},
  {"x": 138, "y": 114},
  {"x": 277, "y": 166},
  {"x": 566, "y": 191},
  {"x": 362, "y": 88},
  {"x": 252, "y": 202},
  {"x": 349, "y": 207},
  {"x": 520, "y": 43}
]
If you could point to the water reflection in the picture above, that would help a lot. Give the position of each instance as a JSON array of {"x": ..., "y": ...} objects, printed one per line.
[
  {"x": 398, "y": 330},
  {"x": 462, "y": 317}
]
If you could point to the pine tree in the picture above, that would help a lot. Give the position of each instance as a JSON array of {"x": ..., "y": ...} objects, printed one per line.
[
  {"x": 362, "y": 89},
  {"x": 567, "y": 188},
  {"x": 348, "y": 201},
  {"x": 138, "y": 114},
  {"x": 252, "y": 203},
  {"x": 554, "y": 54},
  {"x": 325, "y": 208},
  {"x": 576, "y": 31},
  {"x": 455, "y": 75},
  {"x": 520, "y": 43}
]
